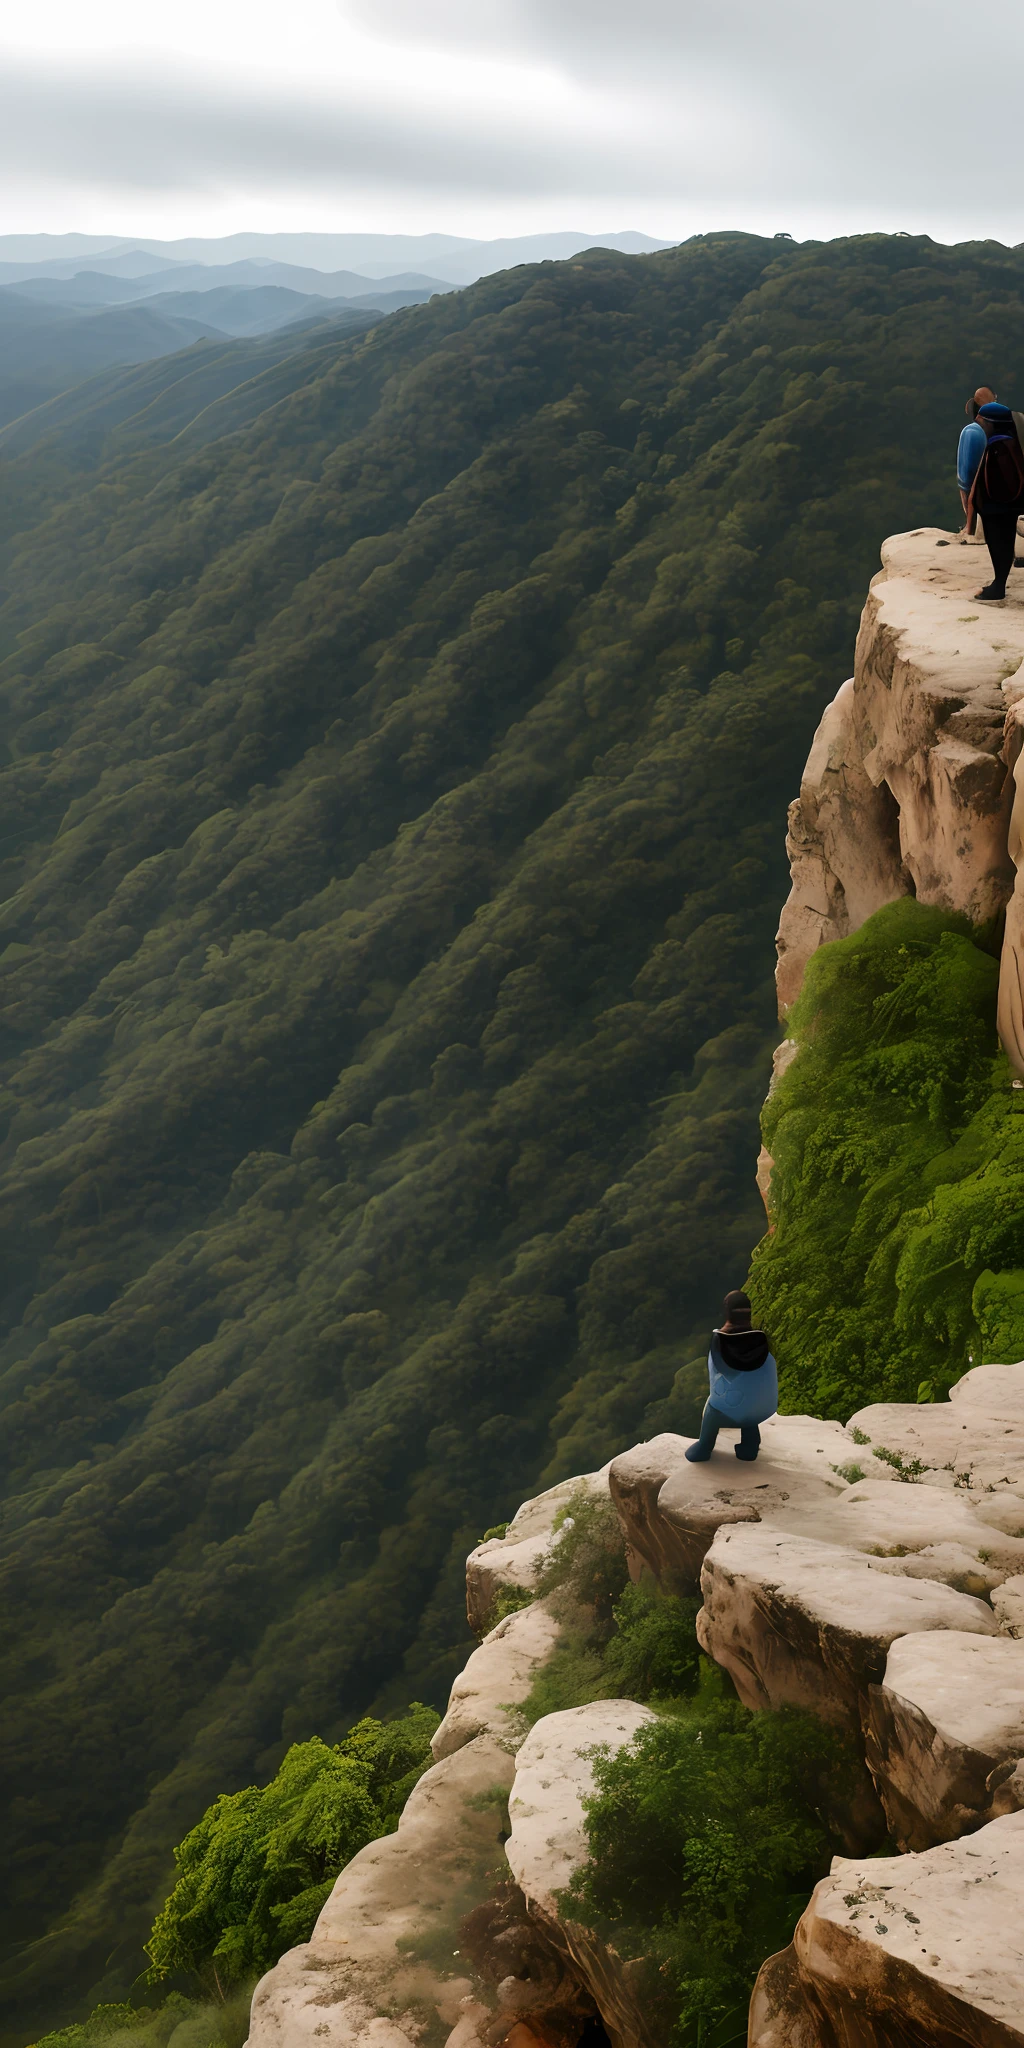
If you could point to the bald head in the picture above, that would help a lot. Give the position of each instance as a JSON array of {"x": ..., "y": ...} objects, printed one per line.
[{"x": 983, "y": 396}]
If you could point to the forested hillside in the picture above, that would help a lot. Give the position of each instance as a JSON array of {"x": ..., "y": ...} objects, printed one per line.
[{"x": 393, "y": 844}]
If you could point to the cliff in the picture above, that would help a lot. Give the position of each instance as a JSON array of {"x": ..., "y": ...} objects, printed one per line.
[
  {"x": 892, "y": 1608},
  {"x": 911, "y": 785},
  {"x": 870, "y": 1575}
]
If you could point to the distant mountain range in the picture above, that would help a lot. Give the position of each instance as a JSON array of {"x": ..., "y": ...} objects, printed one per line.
[
  {"x": 97, "y": 286},
  {"x": 74, "y": 306},
  {"x": 375, "y": 257},
  {"x": 47, "y": 351}
]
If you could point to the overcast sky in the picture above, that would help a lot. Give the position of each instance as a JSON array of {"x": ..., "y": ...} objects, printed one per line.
[{"x": 492, "y": 117}]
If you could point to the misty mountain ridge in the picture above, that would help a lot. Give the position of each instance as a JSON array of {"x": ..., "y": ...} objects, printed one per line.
[
  {"x": 96, "y": 287},
  {"x": 49, "y": 344},
  {"x": 43, "y": 350},
  {"x": 458, "y": 257}
]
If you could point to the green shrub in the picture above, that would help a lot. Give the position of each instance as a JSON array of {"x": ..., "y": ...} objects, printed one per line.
[
  {"x": 254, "y": 1873},
  {"x": 587, "y": 1564},
  {"x": 192, "y": 2023},
  {"x": 897, "y": 1257},
  {"x": 706, "y": 1834},
  {"x": 649, "y": 1652}
]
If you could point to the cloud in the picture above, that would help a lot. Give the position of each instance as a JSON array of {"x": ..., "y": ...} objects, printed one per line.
[
  {"x": 105, "y": 127},
  {"x": 807, "y": 114},
  {"x": 885, "y": 99}
]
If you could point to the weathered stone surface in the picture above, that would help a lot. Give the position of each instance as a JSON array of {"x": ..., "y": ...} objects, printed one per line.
[
  {"x": 548, "y": 1844},
  {"x": 670, "y": 1510},
  {"x": 978, "y": 1434},
  {"x": 352, "y": 1985},
  {"x": 513, "y": 1561},
  {"x": 359, "y": 1983},
  {"x": 1008, "y": 1606},
  {"x": 908, "y": 783},
  {"x": 843, "y": 846},
  {"x": 919, "y": 1951},
  {"x": 498, "y": 1674},
  {"x": 919, "y": 1531},
  {"x": 801, "y": 1623},
  {"x": 945, "y": 1732}
]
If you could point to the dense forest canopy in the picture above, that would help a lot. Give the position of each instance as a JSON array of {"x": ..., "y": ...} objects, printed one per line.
[{"x": 394, "y": 797}]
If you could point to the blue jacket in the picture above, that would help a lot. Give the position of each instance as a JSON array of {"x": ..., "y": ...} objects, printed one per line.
[
  {"x": 969, "y": 452},
  {"x": 747, "y": 1391}
]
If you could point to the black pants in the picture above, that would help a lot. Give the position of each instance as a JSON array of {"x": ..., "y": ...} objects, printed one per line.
[{"x": 1001, "y": 535}]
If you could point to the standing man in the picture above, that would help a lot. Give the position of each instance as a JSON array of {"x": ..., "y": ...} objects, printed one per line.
[{"x": 990, "y": 473}]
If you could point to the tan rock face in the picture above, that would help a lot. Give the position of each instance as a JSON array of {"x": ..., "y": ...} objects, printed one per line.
[
  {"x": 945, "y": 1734},
  {"x": 670, "y": 1510},
  {"x": 908, "y": 783},
  {"x": 1008, "y": 1607},
  {"x": 548, "y": 1844},
  {"x": 920, "y": 1951},
  {"x": 360, "y": 1983},
  {"x": 554, "y": 1774},
  {"x": 499, "y": 1673},
  {"x": 806, "y": 1624},
  {"x": 512, "y": 1562}
]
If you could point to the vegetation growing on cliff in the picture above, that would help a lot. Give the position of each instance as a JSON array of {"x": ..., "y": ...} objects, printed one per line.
[
  {"x": 256, "y": 1870},
  {"x": 393, "y": 842},
  {"x": 897, "y": 1257},
  {"x": 706, "y": 1834}
]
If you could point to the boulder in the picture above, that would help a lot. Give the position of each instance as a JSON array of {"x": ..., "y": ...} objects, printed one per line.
[
  {"x": 548, "y": 1844},
  {"x": 670, "y": 1510},
  {"x": 917, "y": 1951},
  {"x": 801, "y": 1623},
  {"x": 513, "y": 1562},
  {"x": 498, "y": 1675},
  {"x": 373, "y": 1967},
  {"x": 945, "y": 1733}
]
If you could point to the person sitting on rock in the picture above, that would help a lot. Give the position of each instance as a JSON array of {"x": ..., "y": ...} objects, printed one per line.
[
  {"x": 990, "y": 473},
  {"x": 743, "y": 1380}
]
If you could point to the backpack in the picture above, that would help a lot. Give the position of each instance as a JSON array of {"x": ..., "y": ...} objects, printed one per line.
[{"x": 999, "y": 479}]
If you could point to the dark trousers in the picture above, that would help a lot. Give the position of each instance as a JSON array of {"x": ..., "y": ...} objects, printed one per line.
[
  {"x": 711, "y": 1422},
  {"x": 1001, "y": 536}
]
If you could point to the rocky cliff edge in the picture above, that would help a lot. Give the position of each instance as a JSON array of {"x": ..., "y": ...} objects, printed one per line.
[{"x": 914, "y": 783}]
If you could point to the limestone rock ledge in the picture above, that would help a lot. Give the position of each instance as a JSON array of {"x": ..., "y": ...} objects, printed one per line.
[
  {"x": 909, "y": 785},
  {"x": 547, "y": 1845},
  {"x": 945, "y": 1734},
  {"x": 511, "y": 1563},
  {"x": 918, "y": 1951},
  {"x": 383, "y": 1963}
]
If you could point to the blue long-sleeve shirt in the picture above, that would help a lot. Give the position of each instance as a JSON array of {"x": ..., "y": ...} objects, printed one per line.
[{"x": 970, "y": 449}]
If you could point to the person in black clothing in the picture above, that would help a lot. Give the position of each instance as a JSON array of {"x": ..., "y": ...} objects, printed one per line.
[{"x": 996, "y": 487}]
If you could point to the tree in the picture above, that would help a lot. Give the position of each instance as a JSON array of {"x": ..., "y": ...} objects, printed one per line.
[{"x": 255, "y": 1871}]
